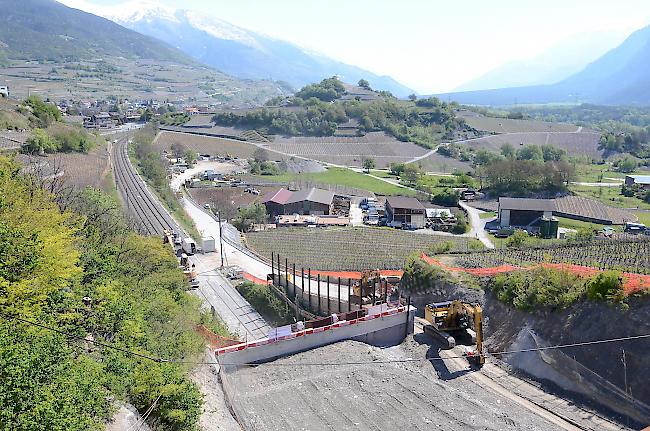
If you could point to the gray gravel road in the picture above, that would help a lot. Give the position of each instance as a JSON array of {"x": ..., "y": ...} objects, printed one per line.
[{"x": 388, "y": 396}]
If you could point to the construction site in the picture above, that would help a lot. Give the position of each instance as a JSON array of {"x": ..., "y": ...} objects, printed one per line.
[{"x": 362, "y": 355}]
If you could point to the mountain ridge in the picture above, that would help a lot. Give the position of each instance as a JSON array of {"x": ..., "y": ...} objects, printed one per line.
[
  {"x": 238, "y": 51},
  {"x": 619, "y": 77},
  {"x": 48, "y": 30}
]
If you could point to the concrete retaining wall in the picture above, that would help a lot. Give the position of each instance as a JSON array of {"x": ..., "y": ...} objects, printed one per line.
[{"x": 383, "y": 329}]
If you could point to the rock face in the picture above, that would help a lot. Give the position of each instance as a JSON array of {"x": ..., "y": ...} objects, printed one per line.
[{"x": 592, "y": 375}]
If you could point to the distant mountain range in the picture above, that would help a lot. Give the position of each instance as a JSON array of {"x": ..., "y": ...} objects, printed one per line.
[
  {"x": 559, "y": 62},
  {"x": 234, "y": 50},
  {"x": 619, "y": 77},
  {"x": 47, "y": 30}
]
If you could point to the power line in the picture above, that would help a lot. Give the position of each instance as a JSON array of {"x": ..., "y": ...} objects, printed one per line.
[
  {"x": 387, "y": 361},
  {"x": 67, "y": 334}
]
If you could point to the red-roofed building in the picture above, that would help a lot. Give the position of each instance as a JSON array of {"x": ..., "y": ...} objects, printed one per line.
[{"x": 274, "y": 201}]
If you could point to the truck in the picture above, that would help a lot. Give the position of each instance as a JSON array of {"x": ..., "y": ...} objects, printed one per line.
[
  {"x": 189, "y": 246},
  {"x": 208, "y": 244}
]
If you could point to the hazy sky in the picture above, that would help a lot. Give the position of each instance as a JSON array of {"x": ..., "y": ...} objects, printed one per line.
[{"x": 431, "y": 46}]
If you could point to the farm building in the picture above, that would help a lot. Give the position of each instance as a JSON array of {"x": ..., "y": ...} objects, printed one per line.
[
  {"x": 640, "y": 180},
  {"x": 305, "y": 202},
  {"x": 310, "y": 202},
  {"x": 274, "y": 202},
  {"x": 400, "y": 209},
  {"x": 524, "y": 212}
]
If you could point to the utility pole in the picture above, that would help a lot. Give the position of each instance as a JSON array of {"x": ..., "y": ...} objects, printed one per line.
[
  {"x": 624, "y": 370},
  {"x": 220, "y": 238}
]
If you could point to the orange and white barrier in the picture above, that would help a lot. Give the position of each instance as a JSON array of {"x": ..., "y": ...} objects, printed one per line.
[{"x": 280, "y": 334}]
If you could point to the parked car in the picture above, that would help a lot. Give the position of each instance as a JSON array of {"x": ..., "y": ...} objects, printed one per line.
[
  {"x": 504, "y": 232},
  {"x": 635, "y": 228}
]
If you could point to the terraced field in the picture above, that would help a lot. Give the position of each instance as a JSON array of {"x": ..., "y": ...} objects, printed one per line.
[
  {"x": 505, "y": 125},
  {"x": 583, "y": 143},
  {"x": 350, "y": 151},
  {"x": 630, "y": 255},
  {"x": 205, "y": 144},
  {"x": 74, "y": 169},
  {"x": 348, "y": 248},
  {"x": 438, "y": 163}
]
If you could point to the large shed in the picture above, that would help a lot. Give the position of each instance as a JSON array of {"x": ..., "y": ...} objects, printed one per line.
[
  {"x": 310, "y": 202},
  {"x": 524, "y": 212},
  {"x": 402, "y": 209},
  {"x": 304, "y": 202}
]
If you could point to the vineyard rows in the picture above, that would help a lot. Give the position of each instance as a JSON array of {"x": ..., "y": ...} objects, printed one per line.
[
  {"x": 204, "y": 144},
  {"x": 629, "y": 255},
  {"x": 574, "y": 143},
  {"x": 505, "y": 125},
  {"x": 354, "y": 249}
]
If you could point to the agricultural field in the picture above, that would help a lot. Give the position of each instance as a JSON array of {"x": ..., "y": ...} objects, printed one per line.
[
  {"x": 610, "y": 196},
  {"x": 227, "y": 199},
  {"x": 132, "y": 79},
  {"x": 75, "y": 169},
  {"x": 505, "y": 125},
  {"x": 205, "y": 144},
  {"x": 338, "y": 177},
  {"x": 350, "y": 151},
  {"x": 350, "y": 248},
  {"x": 438, "y": 163},
  {"x": 583, "y": 143},
  {"x": 631, "y": 254}
]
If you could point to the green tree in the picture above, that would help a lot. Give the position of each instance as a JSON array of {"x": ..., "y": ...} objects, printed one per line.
[
  {"x": 40, "y": 142},
  {"x": 517, "y": 239},
  {"x": 419, "y": 276},
  {"x": 413, "y": 97},
  {"x": 552, "y": 153},
  {"x": 247, "y": 217},
  {"x": 626, "y": 165},
  {"x": 530, "y": 152},
  {"x": 411, "y": 174},
  {"x": 368, "y": 163},
  {"x": 364, "y": 84},
  {"x": 508, "y": 151},
  {"x": 45, "y": 113},
  {"x": 396, "y": 168}
]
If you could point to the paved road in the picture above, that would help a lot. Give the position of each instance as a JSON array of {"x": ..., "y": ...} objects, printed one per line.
[
  {"x": 576, "y": 183},
  {"x": 477, "y": 225},
  {"x": 217, "y": 291}
]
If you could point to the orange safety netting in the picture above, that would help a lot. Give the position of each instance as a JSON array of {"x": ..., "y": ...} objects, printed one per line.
[
  {"x": 355, "y": 274},
  {"x": 251, "y": 277},
  {"x": 632, "y": 283}
]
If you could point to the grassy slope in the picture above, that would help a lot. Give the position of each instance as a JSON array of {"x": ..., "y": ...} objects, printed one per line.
[{"x": 344, "y": 177}]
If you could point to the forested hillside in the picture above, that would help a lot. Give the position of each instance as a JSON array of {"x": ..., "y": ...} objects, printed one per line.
[
  {"x": 71, "y": 277},
  {"x": 318, "y": 110}
]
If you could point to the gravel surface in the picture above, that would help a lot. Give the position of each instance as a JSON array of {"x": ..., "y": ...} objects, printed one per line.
[
  {"x": 371, "y": 396},
  {"x": 215, "y": 415}
]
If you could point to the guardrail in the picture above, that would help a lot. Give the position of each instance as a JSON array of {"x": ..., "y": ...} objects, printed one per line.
[{"x": 309, "y": 331}]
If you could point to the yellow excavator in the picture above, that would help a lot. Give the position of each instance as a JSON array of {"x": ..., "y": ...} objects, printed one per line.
[{"x": 452, "y": 320}]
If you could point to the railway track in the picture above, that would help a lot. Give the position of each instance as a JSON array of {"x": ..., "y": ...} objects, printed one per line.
[{"x": 141, "y": 205}]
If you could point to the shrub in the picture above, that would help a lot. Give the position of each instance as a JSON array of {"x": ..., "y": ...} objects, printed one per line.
[
  {"x": 517, "y": 239},
  {"x": 419, "y": 275},
  {"x": 447, "y": 197},
  {"x": 262, "y": 298},
  {"x": 607, "y": 285},
  {"x": 541, "y": 287}
]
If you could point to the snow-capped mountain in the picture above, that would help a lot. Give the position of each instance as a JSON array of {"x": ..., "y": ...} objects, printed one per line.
[{"x": 232, "y": 49}]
